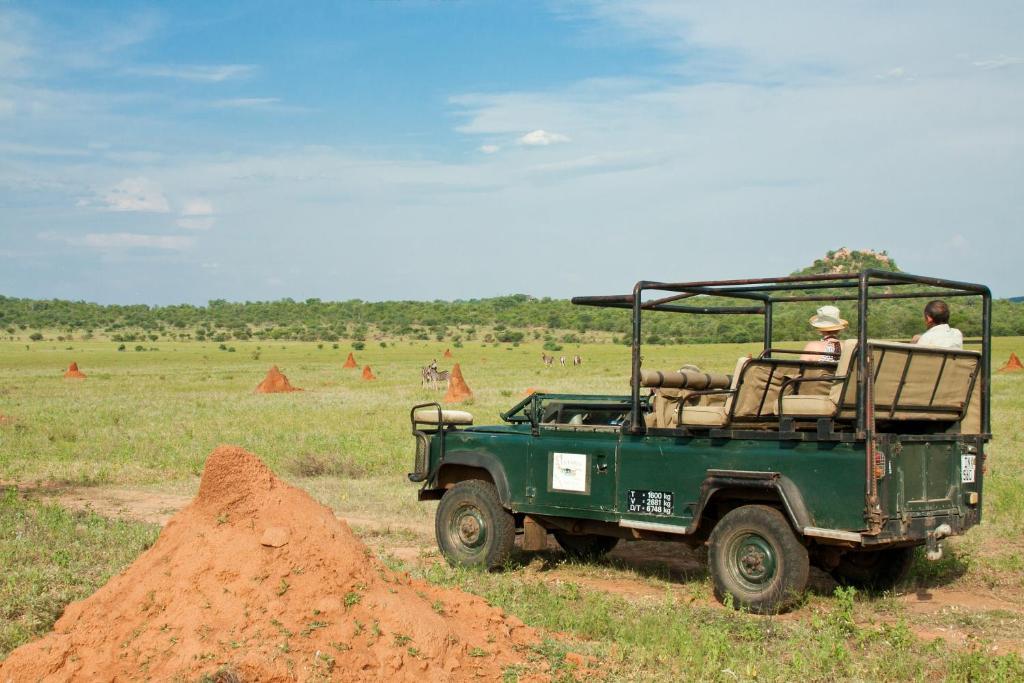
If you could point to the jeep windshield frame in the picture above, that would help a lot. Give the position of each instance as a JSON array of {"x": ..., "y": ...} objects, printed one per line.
[{"x": 759, "y": 296}]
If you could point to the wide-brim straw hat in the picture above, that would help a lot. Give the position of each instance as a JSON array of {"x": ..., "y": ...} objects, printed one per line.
[{"x": 827, "y": 320}]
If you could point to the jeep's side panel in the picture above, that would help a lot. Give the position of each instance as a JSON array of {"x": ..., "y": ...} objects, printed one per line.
[
  {"x": 573, "y": 469},
  {"x": 830, "y": 476}
]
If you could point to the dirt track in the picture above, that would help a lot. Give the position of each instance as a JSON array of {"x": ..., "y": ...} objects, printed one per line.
[{"x": 940, "y": 612}]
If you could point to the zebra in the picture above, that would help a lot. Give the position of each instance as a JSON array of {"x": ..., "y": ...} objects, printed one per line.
[
  {"x": 434, "y": 377},
  {"x": 576, "y": 360},
  {"x": 548, "y": 360},
  {"x": 561, "y": 360}
]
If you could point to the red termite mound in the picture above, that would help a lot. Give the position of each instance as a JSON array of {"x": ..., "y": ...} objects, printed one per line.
[
  {"x": 368, "y": 373},
  {"x": 458, "y": 390},
  {"x": 256, "y": 580},
  {"x": 530, "y": 391},
  {"x": 73, "y": 372},
  {"x": 275, "y": 383},
  {"x": 350, "y": 362},
  {"x": 447, "y": 353},
  {"x": 1012, "y": 365}
]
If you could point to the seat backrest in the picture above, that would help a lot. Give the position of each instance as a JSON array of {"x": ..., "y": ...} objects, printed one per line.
[
  {"x": 913, "y": 382},
  {"x": 757, "y": 396},
  {"x": 845, "y": 368},
  {"x": 737, "y": 379}
]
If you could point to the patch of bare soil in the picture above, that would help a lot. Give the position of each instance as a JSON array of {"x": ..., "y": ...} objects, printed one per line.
[
  {"x": 256, "y": 578},
  {"x": 932, "y": 600},
  {"x": 141, "y": 506}
]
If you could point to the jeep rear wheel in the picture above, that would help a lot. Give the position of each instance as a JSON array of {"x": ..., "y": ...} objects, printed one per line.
[
  {"x": 585, "y": 546},
  {"x": 877, "y": 570},
  {"x": 472, "y": 527},
  {"x": 755, "y": 557}
]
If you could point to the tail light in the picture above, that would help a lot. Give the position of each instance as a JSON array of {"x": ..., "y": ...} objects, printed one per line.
[{"x": 879, "y": 464}]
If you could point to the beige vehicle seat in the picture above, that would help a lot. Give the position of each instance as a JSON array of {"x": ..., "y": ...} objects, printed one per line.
[
  {"x": 715, "y": 415},
  {"x": 672, "y": 388},
  {"x": 815, "y": 402},
  {"x": 448, "y": 417},
  {"x": 911, "y": 382}
]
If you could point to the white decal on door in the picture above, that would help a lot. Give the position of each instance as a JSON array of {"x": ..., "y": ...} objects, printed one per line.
[{"x": 569, "y": 472}]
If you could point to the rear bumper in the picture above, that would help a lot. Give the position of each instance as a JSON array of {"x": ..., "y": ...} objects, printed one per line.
[{"x": 907, "y": 530}]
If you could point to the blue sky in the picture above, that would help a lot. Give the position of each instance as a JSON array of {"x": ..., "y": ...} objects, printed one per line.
[{"x": 401, "y": 149}]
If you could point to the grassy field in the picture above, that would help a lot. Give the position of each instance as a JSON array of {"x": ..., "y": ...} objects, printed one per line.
[{"x": 148, "y": 419}]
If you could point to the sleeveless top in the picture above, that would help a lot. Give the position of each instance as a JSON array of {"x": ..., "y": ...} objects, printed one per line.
[{"x": 832, "y": 348}]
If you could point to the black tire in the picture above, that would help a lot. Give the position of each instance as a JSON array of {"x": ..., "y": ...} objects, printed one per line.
[
  {"x": 874, "y": 570},
  {"x": 585, "y": 547},
  {"x": 472, "y": 527},
  {"x": 755, "y": 557}
]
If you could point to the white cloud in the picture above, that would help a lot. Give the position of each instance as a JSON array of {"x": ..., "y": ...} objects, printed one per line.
[
  {"x": 197, "y": 214},
  {"x": 133, "y": 194},
  {"x": 204, "y": 223},
  {"x": 120, "y": 240},
  {"x": 197, "y": 207},
  {"x": 897, "y": 73},
  {"x": 542, "y": 138},
  {"x": 999, "y": 62},
  {"x": 214, "y": 73},
  {"x": 489, "y": 149},
  {"x": 246, "y": 102},
  {"x": 132, "y": 240}
]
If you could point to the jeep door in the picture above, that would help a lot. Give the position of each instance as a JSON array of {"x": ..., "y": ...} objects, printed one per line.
[{"x": 573, "y": 468}]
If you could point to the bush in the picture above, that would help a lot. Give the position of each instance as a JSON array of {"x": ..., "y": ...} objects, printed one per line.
[
  {"x": 552, "y": 346},
  {"x": 120, "y": 347},
  {"x": 36, "y": 336},
  {"x": 358, "y": 345}
]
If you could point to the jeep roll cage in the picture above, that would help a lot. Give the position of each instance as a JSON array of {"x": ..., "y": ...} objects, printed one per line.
[{"x": 766, "y": 292}]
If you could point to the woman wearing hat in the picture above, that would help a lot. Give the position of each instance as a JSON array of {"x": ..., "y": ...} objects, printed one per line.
[{"x": 827, "y": 323}]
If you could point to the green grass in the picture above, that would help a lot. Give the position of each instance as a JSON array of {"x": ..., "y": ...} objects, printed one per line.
[
  {"x": 148, "y": 419},
  {"x": 667, "y": 639},
  {"x": 50, "y": 557}
]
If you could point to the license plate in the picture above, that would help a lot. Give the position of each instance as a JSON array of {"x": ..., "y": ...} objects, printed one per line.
[{"x": 967, "y": 466}]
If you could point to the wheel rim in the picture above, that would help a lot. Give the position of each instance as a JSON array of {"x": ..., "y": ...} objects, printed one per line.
[
  {"x": 752, "y": 561},
  {"x": 467, "y": 528}
]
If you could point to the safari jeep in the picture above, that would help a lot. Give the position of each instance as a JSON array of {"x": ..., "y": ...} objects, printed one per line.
[{"x": 848, "y": 465}]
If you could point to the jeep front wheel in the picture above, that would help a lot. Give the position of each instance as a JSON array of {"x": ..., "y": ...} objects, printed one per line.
[
  {"x": 755, "y": 558},
  {"x": 472, "y": 527}
]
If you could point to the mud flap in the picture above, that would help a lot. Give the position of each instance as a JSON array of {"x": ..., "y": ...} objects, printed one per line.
[{"x": 535, "y": 537}]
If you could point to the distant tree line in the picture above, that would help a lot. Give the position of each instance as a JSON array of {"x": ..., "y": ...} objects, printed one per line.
[
  {"x": 503, "y": 319},
  {"x": 507, "y": 319}
]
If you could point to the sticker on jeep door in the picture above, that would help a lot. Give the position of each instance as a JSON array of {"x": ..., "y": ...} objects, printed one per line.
[
  {"x": 569, "y": 472},
  {"x": 650, "y": 502}
]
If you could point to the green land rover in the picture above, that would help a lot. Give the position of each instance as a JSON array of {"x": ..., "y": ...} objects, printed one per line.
[{"x": 848, "y": 464}]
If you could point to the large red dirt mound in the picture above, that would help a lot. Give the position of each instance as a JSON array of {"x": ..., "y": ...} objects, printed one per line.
[
  {"x": 447, "y": 353},
  {"x": 73, "y": 372},
  {"x": 350, "y": 362},
  {"x": 458, "y": 390},
  {"x": 275, "y": 382},
  {"x": 368, "y": 373},
  {"x": 1013, "y": 364},
  {"x": 257, "y": 579}
]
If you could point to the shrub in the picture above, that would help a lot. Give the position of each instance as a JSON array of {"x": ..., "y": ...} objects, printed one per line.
[
  {"x": 36, "y": 336},
  {"x": 358, "y": 345}
]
